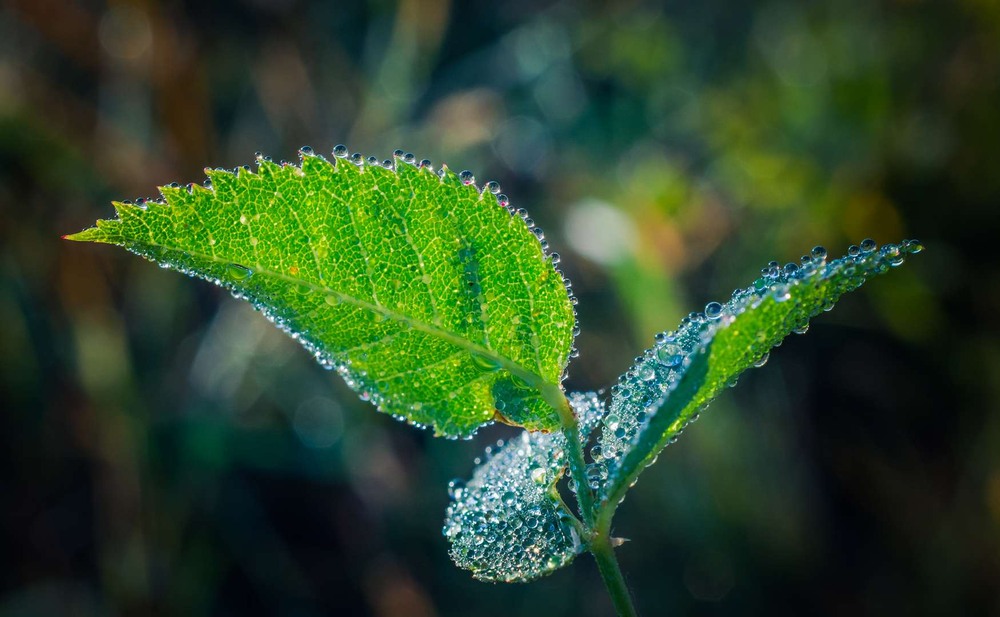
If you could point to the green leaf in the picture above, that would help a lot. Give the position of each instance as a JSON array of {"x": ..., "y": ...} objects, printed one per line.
[
  {"x": 430, "y": 297},
  {"x": 508, "y": 523},
  {"x": 686, "y": 369}
]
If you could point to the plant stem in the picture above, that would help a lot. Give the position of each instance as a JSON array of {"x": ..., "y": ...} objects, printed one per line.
[
  {"x": 607, "y": 563},
  {"x": 555, "y": 397}
]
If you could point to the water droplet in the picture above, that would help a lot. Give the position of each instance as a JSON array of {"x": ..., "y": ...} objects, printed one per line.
[
  {"x": 493, "y": 186},
  {"x": 467, "y": 178},
  {"x": 238, "y": 272},
  {"x": 485, "y": 364},
  {"x": 305, "y": 151},
  {"x": 868, "y": 245},
  {"x": 780, "y": 293},
  {"x": 538, "y": 475},
  {"x": 669, "y": 356},
  {"x": 340, "y": 151},
  {"x": 332, "y": 299},
  {"x": 893, "y": 254},
  {"x": 819, "y": 253},
  {"x": 713, "y": 310},
  {"x": 762, "y": 360}
]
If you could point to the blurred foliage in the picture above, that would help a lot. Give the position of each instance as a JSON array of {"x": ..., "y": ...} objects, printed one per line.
[{"x": 166, "y": 451}]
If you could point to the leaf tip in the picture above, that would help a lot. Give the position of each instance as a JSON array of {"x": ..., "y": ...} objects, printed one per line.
[{"x": 87, "y": 235}]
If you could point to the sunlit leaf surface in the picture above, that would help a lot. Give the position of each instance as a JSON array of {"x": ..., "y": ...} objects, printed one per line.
[
  {"x": 687, "y": 368},
  {"x": 432, "y": 298},
  {"x": 506, "y": 524}
]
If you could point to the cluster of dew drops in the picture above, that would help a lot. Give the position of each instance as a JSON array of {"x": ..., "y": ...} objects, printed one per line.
[
  {"x": 644, "y": 387},
  {"x": 503, "y": 525}
]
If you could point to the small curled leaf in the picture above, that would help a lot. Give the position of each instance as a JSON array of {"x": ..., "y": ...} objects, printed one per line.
[
  {"x": 507, "y": 524},
  {"x": 687, "y": 368}
]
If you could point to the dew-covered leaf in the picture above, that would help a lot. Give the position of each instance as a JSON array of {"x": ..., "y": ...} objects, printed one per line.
[
  {"x": 431, "y": 298},
  {"x": 687, "y": 368},
  {"x": 507, "y": 524}
]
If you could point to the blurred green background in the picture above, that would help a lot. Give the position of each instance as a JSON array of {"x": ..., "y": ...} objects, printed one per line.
[{"x": 165, "y": 451}]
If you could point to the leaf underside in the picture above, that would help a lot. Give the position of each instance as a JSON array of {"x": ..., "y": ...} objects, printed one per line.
[
  {"x": 686, "y": 369},
  {"x": 429, "y": 297},
  {"x": 506, "y": 524}
]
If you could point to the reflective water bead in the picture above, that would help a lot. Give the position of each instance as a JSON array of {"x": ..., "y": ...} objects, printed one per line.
[
  {"x": 868, "y": 245},
  {"x": 713, "y": 310},
  {"x": 893, "y": 254},
  {"x": 340, "y": 151},
  {"x": 819, "y": 253},
  {"x": 466, "y": 177},
  {"x": 780, "y": 293},
  {"x": 493, "y": 187},
  {"x": 238, "y": 272}
]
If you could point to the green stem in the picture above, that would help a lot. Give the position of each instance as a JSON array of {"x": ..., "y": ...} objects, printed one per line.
[
  {"x": 607, "y": 563},
  {"x": 555, "y": 397}
]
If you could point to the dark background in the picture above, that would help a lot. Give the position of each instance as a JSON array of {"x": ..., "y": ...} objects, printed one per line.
[{"x": 165, "y": 451}]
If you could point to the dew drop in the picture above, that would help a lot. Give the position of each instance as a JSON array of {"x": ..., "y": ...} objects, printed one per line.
[
  {"x": 762, "y": 360},
  {"x": 466, "y": 177},
  {"x": 868, "y": 245},
  {"x": 538, "y": 475},
  {"x": 340, "y": 151},
  {"x": 713, "y": 310},
  {"x": 332, "y": 299},
  {"x": 485, "y": 364},
  {"x": 238, "y": 272},
  {"x": 780, "y": 293}
]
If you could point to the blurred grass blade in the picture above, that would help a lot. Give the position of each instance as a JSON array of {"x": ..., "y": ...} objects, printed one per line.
[
  {"x": 429, "y": 297},
  {"x": 686, "y": 369},
  {"x": 508, "y": 523}
]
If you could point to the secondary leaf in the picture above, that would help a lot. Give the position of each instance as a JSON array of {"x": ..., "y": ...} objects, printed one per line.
[
  {"x": 686, "y": 369},
  {"x": 508, "y": 524},
  {"x": 431, "y": 298}
]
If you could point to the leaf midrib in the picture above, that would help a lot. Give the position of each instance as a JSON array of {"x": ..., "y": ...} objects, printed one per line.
[{"x": 533, "y": 379}]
